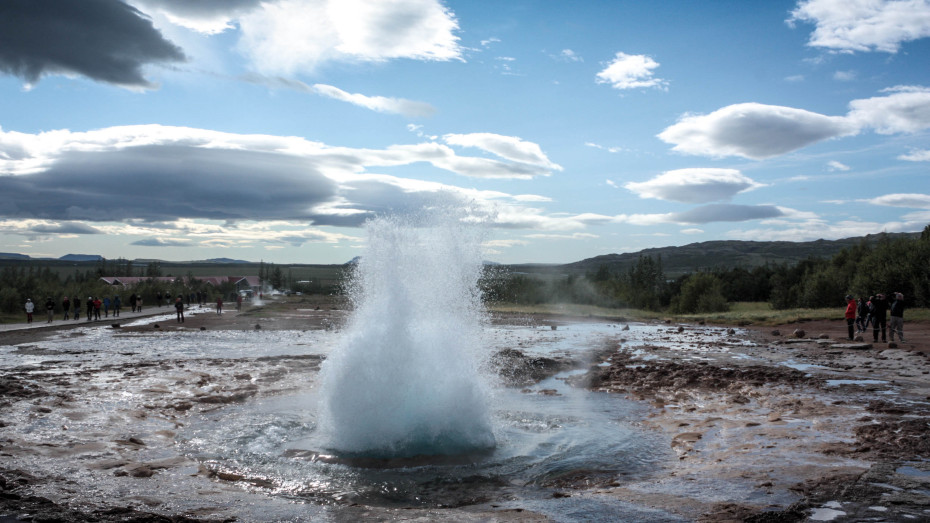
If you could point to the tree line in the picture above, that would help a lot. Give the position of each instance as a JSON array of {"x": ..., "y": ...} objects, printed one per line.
[{"x": 884, "y": 266}]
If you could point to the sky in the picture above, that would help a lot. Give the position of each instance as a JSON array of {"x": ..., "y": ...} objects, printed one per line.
[{"x": 273, "y": 129}]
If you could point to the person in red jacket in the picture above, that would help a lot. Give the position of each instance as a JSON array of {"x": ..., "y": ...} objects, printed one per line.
[{"x": 851, "y": 307}]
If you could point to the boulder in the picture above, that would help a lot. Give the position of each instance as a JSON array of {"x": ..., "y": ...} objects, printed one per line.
[{"x": 798, "y": 333}]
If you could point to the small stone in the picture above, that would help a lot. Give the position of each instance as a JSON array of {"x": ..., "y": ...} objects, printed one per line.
[
  {"x": 776, "y": 332},
  {"x": 798, "y": 333},
  {"x": 731, "y": 332},
  {"x": 892, "y": 345},
  {"x": 258, "y": 327},
  {"x": 203, "y": 328},
  {"x": 156, "y": 326},
  {"x": 823, "y": 337},
  {"x": 115, "y": 325},
  {"x": 681, "y": 329},
  {"x": 625, "y": 328},
  {"x": 554, "y": 327}
]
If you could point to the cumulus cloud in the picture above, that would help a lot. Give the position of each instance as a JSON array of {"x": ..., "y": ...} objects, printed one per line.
[
  {"x": 291, "y": 36},
  {"x": 911, "y": 200},
  {"x": 628, "y": 71},
  {"x": 508, "y": 147},
  {"x": 906, "y": 110},
  {"x": 104, "y": 40},
  {"x": 753, "y": 130},
  {"x": 864, "y": 25},
  {"x": 918, "y": 155},
  {"x": 204, "y": 16},
  {"x": 694, "y": 185}
]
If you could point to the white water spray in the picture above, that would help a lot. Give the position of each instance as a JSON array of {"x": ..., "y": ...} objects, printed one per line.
[{"x": 405, "y": 380}]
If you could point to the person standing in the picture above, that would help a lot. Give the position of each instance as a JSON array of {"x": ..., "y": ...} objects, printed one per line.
[
  {"x": 879, "y": 312},
  {"x": 132, "y": 301},
  {"x": 66, "y": 306},
  {"x": 97, "y": 305},
  {"x": 219, "y": 305},
  {"x": 897, "y": 317},
  {"x": 77, "y": 309},
  {"x": 30, "y": 308},
  {"x": 850, "y": 315},
  {"x": 106, "y": 306},
  {"x": 862, "y": 311},
  {"x": 50, "y": 309},
  {"x": 238, "y": 303},
  {"x": 90, "y": 308},
  {"x": 116, "y": 305},
  {"x": 179, "y": 307},
  {"x": 139, "y": 303}
]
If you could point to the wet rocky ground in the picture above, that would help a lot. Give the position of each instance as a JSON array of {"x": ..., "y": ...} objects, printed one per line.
[{"x": 759, "y": 425}]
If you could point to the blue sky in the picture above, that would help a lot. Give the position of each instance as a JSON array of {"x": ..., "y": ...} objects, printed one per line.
[{"x": 273, "y": 129}]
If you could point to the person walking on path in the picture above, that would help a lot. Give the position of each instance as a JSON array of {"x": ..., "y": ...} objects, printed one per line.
[
  {"x": 116, "y": 306},
  {"x": 77, "y": 309},
  {"x": 50, "y": 309},
  {"x": 879, "y": 312},
  {"x": 179, "y": 307},
  {"x": 238, "y": 303},
  {"x": 850, "y": 314},
  {"x": 66, "y": 305},
  {"x": 132, "y": 301},
  {"x": 219, "y": 305},
  {"x": 90, "y": 308},
  {"x": 106, "y": 307},
  {"x": 30, "y": 308},
  {"x": 897, "y": 317},
  {"x": 139, "y": 303},
  {"x": 97, "y": 305}
]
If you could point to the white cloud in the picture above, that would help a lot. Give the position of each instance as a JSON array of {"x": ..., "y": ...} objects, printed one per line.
[
  {"x": 489, "y": 41},
  {"x": 567, "y": 55},
  {"x": 844, "y": 76},
  {"x": 630, "y": 72},
  {"x": 906, "y": 110},
  {"x": 795, "y": 78},
  {"x": 816, "y": 229},
  {"x": 381, "y": 104},
  {"x": 753, "y": 130},
  {"x": 834, "y": 165},
  {"x": 694, "y": 185},
  {"x": 203, "y": 16},
  {"x": 864, "y": 25},
  {"x": 508, "y": 147},
  {"x": 692, "y": 231},
  {"x": 573, "y": 236},
  {"x": 912, "y": 200},
  {"x": 917, "y": 155},
  {"x": 603, "y": 148},
  {"x": 291, "y": 36}
]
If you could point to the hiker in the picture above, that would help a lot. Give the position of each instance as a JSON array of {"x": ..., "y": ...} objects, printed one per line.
[
  {"x": 879, "y": 313},
  {"x": 77, "y": 309},
  {"x": 179, "y": 307},
  {"x": 897, "y": 317},
  {"x": 30, "y": 308},
  {"x": 862, "y": 315},
  {"x": 66, "y": 306},
  {"x": 50, "y": 309},
  {"x": 158, "y": 298},
  {"x": 850, "y": 315}
]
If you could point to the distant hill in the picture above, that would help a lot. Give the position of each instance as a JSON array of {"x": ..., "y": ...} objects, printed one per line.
[
  {"x": 81, "y": 257},
  {"x": 713, "y": 254},
  {"x": 225, "y": 260},
  {"x": 14, "y": 256}
]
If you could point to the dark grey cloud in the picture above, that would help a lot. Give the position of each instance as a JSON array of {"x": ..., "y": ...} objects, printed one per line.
[
  {"x": 64, "y": 228},
  {"x": 164, "y": 183},
  {"x": 105, "y": 40},
  {"x": 724, "y": 212},
  {"x": 159, "y": 242}
]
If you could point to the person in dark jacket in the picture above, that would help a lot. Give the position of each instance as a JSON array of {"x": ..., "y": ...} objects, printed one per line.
[
  {"x": 879, "y": 313},
  {"x": 90, "y": 308},
  {"x": 116, "y": 305},
  {"x": 179, "y": 307},
  {"x": 897, "y": 317},
  {"x": 850, "y": 314},
  {"x": 50, "y": 309},
  {"x": 862, "y": 315},
  {"x": 66, "y": 306}
]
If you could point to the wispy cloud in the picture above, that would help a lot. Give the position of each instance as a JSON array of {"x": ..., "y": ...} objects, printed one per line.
[
  {"x": 917, "y": 155},
  {"x": 911, "y": 200},
  {"x": 834, "y": 165}
]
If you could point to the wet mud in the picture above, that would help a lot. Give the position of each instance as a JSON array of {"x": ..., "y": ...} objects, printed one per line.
[{"x": 757, "y": 426}]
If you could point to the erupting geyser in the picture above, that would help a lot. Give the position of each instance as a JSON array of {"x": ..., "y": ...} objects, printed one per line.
[{"x": 405, "y": 379}]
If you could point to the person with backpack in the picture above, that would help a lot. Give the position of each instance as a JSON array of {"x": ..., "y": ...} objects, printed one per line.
[
  {"x": 879, "y": 314},
  {"x": 897, "y": 317}
]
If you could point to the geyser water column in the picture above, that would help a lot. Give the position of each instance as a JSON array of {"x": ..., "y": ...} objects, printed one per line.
[{"x": 404, "y": 380}]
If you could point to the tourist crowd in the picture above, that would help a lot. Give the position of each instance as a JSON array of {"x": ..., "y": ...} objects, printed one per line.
[
  {"x": 862, "y": 312},
  {"x": 96, "y": 307}
]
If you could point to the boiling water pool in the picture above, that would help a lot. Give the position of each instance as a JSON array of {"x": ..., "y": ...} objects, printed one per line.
[{"x": 550, "y": 438}]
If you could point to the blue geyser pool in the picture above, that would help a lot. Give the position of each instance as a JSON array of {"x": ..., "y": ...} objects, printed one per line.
[{"x": 404, "y": 380}]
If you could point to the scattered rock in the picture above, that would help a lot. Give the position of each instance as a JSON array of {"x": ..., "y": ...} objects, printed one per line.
[
  {"x": 203, "y": 328},
  {"x": 776, "y": 332},
  {"x": 823, "y": 337},
  {"x": 115, "y": 325},
  {"x": 258, "y": 327},
  {"x": 858, "y": 338},
  {"x": 554, "y": 327},
  {"x": 681, "y": 329},
  {"x": 156, "y": 326},
  {"x": 892, "y": 345},
  {"x": 798, "y": 333},
  {"x": 625, "y": 328},
  {"x": 731, "y": 332}
]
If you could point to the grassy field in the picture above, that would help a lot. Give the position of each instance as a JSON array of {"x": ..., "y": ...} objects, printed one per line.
[{"x": 741, "y": 313}]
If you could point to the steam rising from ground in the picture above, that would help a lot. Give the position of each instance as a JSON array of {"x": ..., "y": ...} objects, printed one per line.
[{"x": 404, "y": 381}]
